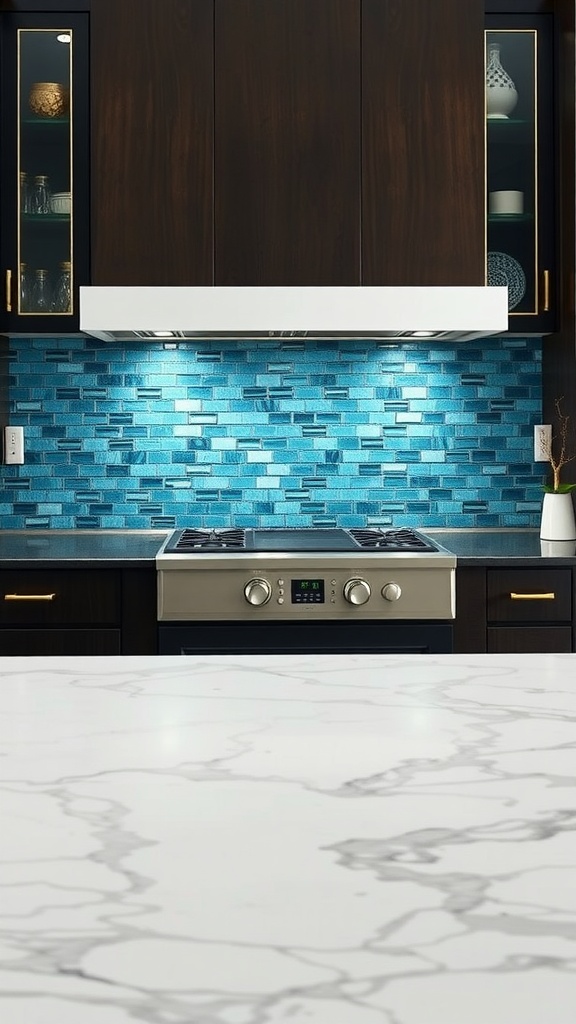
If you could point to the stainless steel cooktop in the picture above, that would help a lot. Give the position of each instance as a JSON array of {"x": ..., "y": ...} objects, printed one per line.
[
  {"x": 197, "y": 541},
  {"x": 303, "y": 574}
]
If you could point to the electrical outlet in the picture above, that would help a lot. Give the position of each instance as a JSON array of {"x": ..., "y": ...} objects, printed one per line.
[
  {"x": 542, "y": 441},
  {"x": 13, "y": 446}
]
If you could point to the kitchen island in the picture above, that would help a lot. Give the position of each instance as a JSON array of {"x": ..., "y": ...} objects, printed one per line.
[{"x": 255, "y": 840}]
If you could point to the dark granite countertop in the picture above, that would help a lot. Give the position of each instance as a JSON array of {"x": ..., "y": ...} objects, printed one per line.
[
  {"x": 495, "y": 547},
  {"x": 132, "y": 548},
  {"x": 69, "y": 548}
]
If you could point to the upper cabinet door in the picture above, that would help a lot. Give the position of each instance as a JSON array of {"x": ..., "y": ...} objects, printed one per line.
[
  {"x": 423, "y": 138},
  {"x": 287, "y": 142},
  {"x": 44, "y": 209},
  {"x": 152, "y": 142},
  {"x": 521, "y": 175}
]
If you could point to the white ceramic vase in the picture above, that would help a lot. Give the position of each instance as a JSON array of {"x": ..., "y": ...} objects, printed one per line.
[
  {"x": 558, "y": 522},
  {"x": 501, "y": 94}
]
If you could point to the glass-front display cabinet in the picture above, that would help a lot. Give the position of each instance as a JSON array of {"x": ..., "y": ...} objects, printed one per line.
[
  {"x": 520, "y": 179},
  {"x": 44, "y": 171}
]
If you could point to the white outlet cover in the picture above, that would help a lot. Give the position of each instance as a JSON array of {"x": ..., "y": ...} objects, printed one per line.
[{"x": 542, "y": 436}]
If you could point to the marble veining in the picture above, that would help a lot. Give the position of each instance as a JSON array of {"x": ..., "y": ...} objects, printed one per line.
[{"x": 267, "y": 840}]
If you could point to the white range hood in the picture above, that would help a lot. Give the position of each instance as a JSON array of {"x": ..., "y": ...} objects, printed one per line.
[{"x": 387, "y": 314}]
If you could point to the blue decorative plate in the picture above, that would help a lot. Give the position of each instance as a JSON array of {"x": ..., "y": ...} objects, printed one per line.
[{"x": 504, "y": 270}]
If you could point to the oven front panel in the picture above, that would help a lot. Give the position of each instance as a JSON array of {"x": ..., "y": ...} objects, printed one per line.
[
  {"x": 257, "y": 593},
  {"x": 366, "y": 637}
]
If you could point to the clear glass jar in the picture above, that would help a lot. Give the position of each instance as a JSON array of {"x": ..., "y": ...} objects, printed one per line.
[
  {"x": 25, "y": 289},
  {"x": 63, "y": 290},
  {"x": 41, "y": 293},
  {"x": 24, "y": 193},
  {"x": 40, "y": 195}
]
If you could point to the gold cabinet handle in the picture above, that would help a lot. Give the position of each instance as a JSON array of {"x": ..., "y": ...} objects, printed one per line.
[
  {"x": 532, "y": 597},
  {"x": 546, "y": 299},
  {"x": 29, "y": 597},
  {"x": 8, "y": 291}
]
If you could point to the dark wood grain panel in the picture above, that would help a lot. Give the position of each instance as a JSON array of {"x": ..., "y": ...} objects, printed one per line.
[
  {"x": 4, "y": 365},
  {"x": 81, "y": 597},
  {"x": 139, "y": 613},
  {"x": 529, "y": 640},
  {"x": 287, "y": 142},
  {"x": 501, "y": 583},
  {"x": 423, "y": 142},
  {"x": 152, "y": 124},
  {"x": 50, "y": 642},
  {"x": 470, "y": 624},
  {"x": 45, "y": 6},
  {"x": 559, "y": 351}
]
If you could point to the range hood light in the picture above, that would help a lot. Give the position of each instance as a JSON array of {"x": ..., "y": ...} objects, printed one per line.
[
  {"x": 228, "y": 312},
  {"x": 64, "y": 37}
]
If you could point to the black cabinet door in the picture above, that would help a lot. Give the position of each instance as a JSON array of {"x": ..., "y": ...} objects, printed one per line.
[
  {"x": 287, "y": 142},
  {"x": 522, "y": 170},
  {"x": 521, "y": 640},
  {"x": 32, "y": 643},
  {"x": 152, "y": 142},
  {"x": 423, "y": 143},
  {"x": 44, "y": 171}
]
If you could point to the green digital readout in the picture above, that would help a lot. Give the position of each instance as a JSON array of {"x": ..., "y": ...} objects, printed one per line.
[{"x": 307, "y": 591}]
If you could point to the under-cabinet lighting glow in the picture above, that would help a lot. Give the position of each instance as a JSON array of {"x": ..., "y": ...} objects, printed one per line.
[
  {"x": 424, "y": 334},
  {"x": 163, "y": 334}
]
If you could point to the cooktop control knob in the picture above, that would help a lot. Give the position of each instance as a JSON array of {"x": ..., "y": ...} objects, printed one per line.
[
  {"x": 257, "y": 591},
  {"x": 357, "y": 591},
  {"x": 391, "y": 592}
]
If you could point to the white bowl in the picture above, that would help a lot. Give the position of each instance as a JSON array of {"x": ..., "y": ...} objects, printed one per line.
[{"x": 61, "y": 202}]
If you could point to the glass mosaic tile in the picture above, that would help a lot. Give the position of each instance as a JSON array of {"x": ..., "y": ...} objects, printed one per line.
[{"x": 390, "y": 434}]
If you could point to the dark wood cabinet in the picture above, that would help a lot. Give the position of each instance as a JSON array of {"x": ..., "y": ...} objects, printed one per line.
[
  {"x": 44, "y": 166},
  {"x": 287, "y": 197},
  {"x": 45, "y": 643},
  {"x": 77, "y": 611},
  {"x": 152, "y": 122},
  {"x": 514, "y": 610},
  {"x": 287, "y": 142},
  {"x": 423, "y": 131},
  {"x": 537, "y": 640},
  {"x": 523, "y": 200}
]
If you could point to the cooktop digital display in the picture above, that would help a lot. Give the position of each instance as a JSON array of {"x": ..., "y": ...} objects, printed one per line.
[{"x": 307, "y": 591}]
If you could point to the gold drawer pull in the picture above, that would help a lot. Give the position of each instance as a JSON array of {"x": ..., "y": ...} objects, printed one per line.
[
  {"x": 532, "y": 597},
  {"x": 29, "y": 597},
  {"x": 8, "y": 291}
]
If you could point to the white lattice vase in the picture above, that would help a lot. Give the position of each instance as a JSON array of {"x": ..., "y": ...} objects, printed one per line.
[
  {"x": 501, "y": 95},
  {"x": 558, "y": 522}
]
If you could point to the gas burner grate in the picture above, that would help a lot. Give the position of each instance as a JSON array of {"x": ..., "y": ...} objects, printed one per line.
[
  {"x": 210, "y": 540},
  {"x": 390, "y": 540}
]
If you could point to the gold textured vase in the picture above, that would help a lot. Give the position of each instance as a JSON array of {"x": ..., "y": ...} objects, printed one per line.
[{"x": 49, "y": 99}]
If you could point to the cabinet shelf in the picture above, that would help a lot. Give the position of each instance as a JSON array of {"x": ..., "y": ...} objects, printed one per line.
[
  {"x": 511, "y": 132},
  {"x": 510, "y": 218},
  {"x": 46, "y": 218},
  {"x": 46, "y": 121}
]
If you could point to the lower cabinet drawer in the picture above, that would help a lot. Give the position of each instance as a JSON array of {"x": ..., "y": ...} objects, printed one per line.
[
  {"x": 57, "y": 597},
  {"x": 529, "y": 595},
  {"x": 529, "y": 639},
  {"x": 45, "y": 642}
]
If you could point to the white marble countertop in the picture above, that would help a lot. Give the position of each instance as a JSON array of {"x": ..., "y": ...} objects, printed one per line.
[{"x": 270, "y": 840}]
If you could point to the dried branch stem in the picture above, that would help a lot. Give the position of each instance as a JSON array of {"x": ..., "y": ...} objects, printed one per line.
[{"x": 563, "y": 458}]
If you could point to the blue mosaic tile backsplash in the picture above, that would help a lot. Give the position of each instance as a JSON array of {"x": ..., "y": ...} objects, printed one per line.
[{"x": 296, "y": 433}]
